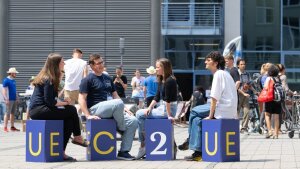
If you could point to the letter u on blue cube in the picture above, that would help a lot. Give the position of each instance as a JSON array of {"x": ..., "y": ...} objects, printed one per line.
[
  {"x": 102, "y": 137},
  {"x": 159, "y": 139},
  {"x": 44, "y": 140},
  {"x": 220, "y": 140}
]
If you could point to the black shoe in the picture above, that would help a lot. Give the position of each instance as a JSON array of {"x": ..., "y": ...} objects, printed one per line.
[
  {"x": 184, "y": 145},
  {"x": 120, "y": 132},
  {"x": 196, "y": 156},
  {"x": 69, "y": 159},
  {"x": 124, "y": 155}
]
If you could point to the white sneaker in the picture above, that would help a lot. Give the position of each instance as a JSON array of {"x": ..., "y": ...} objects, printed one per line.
[{"x": 141, "y": 153}]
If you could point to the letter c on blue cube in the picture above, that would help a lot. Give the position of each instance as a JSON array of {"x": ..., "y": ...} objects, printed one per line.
[
  {"x": 159, "y": 139},
  {"x": 101, "y": 135},
  {"x": 44, "y": 140},
  {"x": 220, "y": 140}
]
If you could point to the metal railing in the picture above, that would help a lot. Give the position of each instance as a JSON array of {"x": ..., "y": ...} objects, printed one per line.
[{"x": 192, "y": 16}]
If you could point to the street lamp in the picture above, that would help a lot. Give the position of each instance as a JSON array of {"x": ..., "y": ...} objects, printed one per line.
[{"x": 122, "y": 49}]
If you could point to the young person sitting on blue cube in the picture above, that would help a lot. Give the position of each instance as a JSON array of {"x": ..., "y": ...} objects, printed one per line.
[
  {"x": 99, "y": 99},
  {"x": 223, "y": 103},
  {"x": 44, "y": 104},
  {"x": 167, "y": 94}
]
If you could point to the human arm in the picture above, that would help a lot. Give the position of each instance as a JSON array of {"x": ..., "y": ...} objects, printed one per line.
[
  {"x": 50, "y": 95},
  {"x": 128, "y": 111},
  {"x": 212, "y": 108},
  {"x": 123, "y": 82},
  {"x": 151, "y": 106},
  {"x": 83, "y": 106},
  {"x": 4, "y": 92},
  {"x": 85, "y": 71},
  {"x": 115, "y": 95}
]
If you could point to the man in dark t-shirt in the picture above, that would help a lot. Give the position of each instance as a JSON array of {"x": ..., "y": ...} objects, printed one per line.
[
  {"x": 120, "y": 82},
  {"x": 99, "y": 99},
  {"x": 229, "y": 60}
]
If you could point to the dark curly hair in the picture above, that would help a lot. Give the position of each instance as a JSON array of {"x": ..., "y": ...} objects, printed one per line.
[
  {"x": 217, "y": 57},
  {"x": 273, "y": 70}
]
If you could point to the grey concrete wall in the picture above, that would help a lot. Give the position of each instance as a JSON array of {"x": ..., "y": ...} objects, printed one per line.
[
  {"x": 3, "y": 38},
  {"x": 232, "y": 19}
]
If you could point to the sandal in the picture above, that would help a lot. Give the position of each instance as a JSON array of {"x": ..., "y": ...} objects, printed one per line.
[
  {"x": 269, "y": 135},
  {"x": 69, "y": 159},
  {"x": 83, "y": 144}
]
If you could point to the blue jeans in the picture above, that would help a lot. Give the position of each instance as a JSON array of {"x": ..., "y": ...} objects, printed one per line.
[
  {"x": 197, "y": 114},
  {"x": 2, "y": 110},
  {"x": 115, "y": 109},
  {"x": 154, "y": 114}
]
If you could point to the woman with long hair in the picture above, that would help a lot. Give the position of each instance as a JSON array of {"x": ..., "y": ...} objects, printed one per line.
[
  {"x": 272, "y": 108},
  {"x": 45, "y": 105},
  {"x": 166, "y": 94}
]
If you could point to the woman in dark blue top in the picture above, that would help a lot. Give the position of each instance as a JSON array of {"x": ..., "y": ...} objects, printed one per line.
[{"x": 45, "y": 105}]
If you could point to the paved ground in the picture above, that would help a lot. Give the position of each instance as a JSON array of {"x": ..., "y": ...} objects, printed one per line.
[{"x": 256, "y": 152}]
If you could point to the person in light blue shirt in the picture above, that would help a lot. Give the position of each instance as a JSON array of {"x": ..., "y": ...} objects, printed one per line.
[{"x": 150, "y": 85}]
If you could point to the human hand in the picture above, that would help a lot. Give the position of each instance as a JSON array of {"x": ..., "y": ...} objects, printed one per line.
[
  {"x": 68, "y": 100},
  {"x": 93, "y": 117},
  {"x": 172, "y": 119},
  {"x": 130, "y": 113},
  {"x": 246, "y": 95},
  {"x": 208, "y": 118},
  {"x": 147, "y": 111}
]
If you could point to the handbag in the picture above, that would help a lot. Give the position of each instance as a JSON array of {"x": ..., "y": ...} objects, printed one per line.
[{"x": 267, "y": 94}]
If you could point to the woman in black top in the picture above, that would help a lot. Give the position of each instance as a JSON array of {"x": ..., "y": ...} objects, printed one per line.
[
  {"x": 166, "y": 95},
  {"x": 45, "y": 105}
]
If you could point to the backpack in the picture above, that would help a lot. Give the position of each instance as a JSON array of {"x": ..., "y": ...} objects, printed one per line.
[
  {"x": 279, "y": 94},
  {"x": 257, "y": 84},
  {"x": 198, "y": 99}
]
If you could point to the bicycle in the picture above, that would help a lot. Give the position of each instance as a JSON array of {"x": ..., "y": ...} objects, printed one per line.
[{"x": 292, "y": 117}]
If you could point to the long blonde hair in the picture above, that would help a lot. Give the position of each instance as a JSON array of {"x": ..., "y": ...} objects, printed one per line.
[
  {"x": 264, "y": 68},
  {"x": 50, "y": 71}
]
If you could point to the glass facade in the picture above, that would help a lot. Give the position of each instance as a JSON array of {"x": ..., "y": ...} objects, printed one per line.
[
  {"x": 191, "y": 29},
  {"x": 291, "y": 25},
  {"x": 188, "y": 52},
  {"x": 272, "y": 34}
]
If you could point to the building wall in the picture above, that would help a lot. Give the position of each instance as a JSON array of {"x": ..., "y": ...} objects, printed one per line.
[{"x": 36, "y": 28}]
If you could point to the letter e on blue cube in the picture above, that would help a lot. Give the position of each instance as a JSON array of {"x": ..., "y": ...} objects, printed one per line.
[
  {"x": 159, "y": 139},
  {"x": 220, "y": 140},
  {"x": 44, "y": 140},
  {"x": 101, "y": 135}
]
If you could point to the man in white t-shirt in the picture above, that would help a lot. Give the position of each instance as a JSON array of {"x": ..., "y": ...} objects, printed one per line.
[
  {"x": 75, "y": 70},
  {"x": 223, "y": 103}
]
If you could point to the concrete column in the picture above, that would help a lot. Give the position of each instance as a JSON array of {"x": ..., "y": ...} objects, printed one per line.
[
  {"x": 232, "y": 20},
  {"x": 3, "y": 38},
  {"x": 155, "y": 30}
]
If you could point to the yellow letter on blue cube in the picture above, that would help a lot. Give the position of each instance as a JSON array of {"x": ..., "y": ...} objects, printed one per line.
[
  {"x": 101, "y": 135},
  {"x": 220, "y": 140},
  {"x": 159, "y": 139},
  {"x": 44, "y": 140}
]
